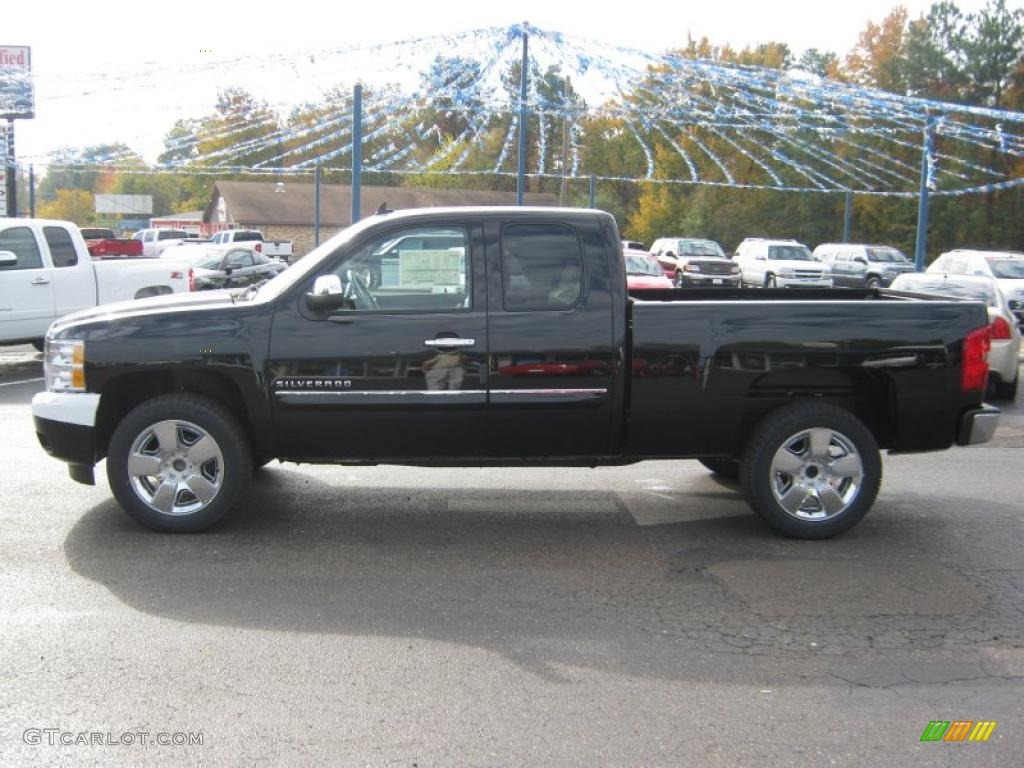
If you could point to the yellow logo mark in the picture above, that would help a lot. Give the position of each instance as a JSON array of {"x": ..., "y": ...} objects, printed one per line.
[{"x": 982, "y": 730}]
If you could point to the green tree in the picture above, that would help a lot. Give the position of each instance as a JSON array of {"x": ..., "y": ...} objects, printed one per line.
[{"x": 77, "y": 205}]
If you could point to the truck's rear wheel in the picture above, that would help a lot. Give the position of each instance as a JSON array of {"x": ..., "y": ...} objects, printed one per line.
[
  {"x": 811, "y": 470},
  {"x": 179, "y": 463}
]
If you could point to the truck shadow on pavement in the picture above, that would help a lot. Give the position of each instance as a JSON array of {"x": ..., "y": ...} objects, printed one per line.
[{"x": 549, "y": 580}]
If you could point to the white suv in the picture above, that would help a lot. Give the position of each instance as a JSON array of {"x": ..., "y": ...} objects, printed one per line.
[{"x": 780, "y": 264}]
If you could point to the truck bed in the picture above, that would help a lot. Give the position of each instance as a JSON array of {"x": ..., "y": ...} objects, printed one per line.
[{"x": 748, "y": 351}]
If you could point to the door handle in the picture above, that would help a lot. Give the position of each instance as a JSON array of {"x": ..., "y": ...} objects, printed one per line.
[
  {"x": 450, "y": 342},
  {"x": 40, "y": 281}
]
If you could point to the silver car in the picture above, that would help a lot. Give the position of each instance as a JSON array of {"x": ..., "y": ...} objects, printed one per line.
[{"x": 1003, "y": 356}]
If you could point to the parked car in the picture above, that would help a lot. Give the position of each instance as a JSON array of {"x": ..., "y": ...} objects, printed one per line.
[
  {"x": 692, "y": 262},
  {"x": 855, "y": 265},
  {"x": 1007, "y": 267},
  {"x": 643, "y": 272},
  {"x": 1003, "y": 357},
  {"x": 780, "y": 264},
  {"x": 277, "y": 249},
  {"x": 156, "y": 241},
  {"x": 184, "y": 396},
  {"x": 46, "y": 272},
  {"x": 225, "y": 266},
  {"x": 104, "y": 244}
]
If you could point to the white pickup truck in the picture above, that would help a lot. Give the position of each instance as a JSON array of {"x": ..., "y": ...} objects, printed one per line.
[
  {"x": 46, "y": 272},
  {"x": 156, "y": 241},
  {"x": 275, "y": 249}
]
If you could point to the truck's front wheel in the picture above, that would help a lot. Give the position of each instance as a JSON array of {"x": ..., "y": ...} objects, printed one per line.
[
  {"x": 811, "y": 470},
  {"x": 179, "y": 463}
]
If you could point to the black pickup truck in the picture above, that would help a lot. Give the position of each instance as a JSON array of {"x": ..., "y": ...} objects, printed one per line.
[{"x": 513, "y": 342}]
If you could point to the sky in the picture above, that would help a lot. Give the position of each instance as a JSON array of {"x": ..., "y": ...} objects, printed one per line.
[{"x": 119, "y": 71}]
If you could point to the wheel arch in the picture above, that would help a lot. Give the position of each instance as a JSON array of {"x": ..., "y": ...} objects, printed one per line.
[
  {"x": 122, "y": 394},
  {"x": 868, "y": 395}
]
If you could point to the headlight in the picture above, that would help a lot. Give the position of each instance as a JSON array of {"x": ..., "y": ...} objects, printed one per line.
[
  {"x": 691, "y": 268},
  {"x": 734, "y": 269},
  {"x": 787, "y": 272},
  {"x": 64, "y": 366}
]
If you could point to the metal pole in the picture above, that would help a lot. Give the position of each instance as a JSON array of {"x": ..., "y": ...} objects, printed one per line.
[
  {"x": 316, "y": 206},
  {"x": 847, "y": 217},
  {"x": 32, "y": 191},
  {"x": 922, "y": 204},
  {"x": 524, "y": 75},
  {"x": 563, "y": 190},
  {"x": 12, "y": 172},
  {"x": 357, "y": 151},
  {"x": 593, "y": 191}
]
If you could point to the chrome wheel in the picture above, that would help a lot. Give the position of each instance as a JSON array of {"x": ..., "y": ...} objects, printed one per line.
[
  {"x": 816, "y": 474},
  {"x": 175, "y": 467}
]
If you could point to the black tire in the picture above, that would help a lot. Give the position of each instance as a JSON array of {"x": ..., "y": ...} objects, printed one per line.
[
  {"x": 769, "y": 281},
  {"x": 774, "y": 446},
  {"x": 191, "y": 418},
  {"x": 873, "y": 282},
  {"x": 1005, "y": 390},
  {"x": 729, "y": 468}
]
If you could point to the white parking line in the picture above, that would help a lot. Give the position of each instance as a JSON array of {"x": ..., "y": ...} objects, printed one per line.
[{"x": 23, "y": 381}]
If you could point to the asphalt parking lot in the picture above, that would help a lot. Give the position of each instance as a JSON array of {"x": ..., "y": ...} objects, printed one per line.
[{"x": 622, "y": 616}]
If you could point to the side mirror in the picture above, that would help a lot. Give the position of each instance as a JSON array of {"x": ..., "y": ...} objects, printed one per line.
[
  {"x": 327, "y": 294},
  {"x": 228, "y": 271},
  {"x": 1014, "y": 304},
  {"x": 670, "y": 255},
  {"x": 8, "y": 259}
]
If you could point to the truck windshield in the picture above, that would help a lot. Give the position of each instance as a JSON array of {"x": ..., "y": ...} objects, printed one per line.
[
  {"x": 700, "y": 248},
  {"x": 890, "y": 255},
  {"x": 1012, "y": 269},
  {"x": 789, "y": 253}
]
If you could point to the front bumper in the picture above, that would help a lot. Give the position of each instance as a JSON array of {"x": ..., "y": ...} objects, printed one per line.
[
  {"x": 694, "y": 280},
  {"x": 978, "y": 425},
  {"x": 65, "y": 426},
  {"x": 803, "y": 282}
]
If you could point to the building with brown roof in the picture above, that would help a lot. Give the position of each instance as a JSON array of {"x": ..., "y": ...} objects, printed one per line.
[{"x": 285, "y": 210}]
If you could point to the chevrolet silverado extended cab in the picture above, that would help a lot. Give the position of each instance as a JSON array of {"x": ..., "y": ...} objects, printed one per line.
[
  {"x": 46, "y": 272},
  {"x": 519, "y": 345}
]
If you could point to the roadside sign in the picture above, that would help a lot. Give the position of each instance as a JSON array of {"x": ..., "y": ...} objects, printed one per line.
[{"x": 17, "y": 99}]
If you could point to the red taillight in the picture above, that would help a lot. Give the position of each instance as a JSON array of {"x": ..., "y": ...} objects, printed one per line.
[
  {"x": 974, "y": 376},
  {"x": 1001, "y": 329},
  {"x": 191, "y": 279},
  {"x": 259, "y": 247}
]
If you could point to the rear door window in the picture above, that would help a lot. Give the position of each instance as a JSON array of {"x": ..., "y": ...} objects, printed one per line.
[
  {"x": 541, "y": 267},
  {"x": 62, "y": 248}
]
